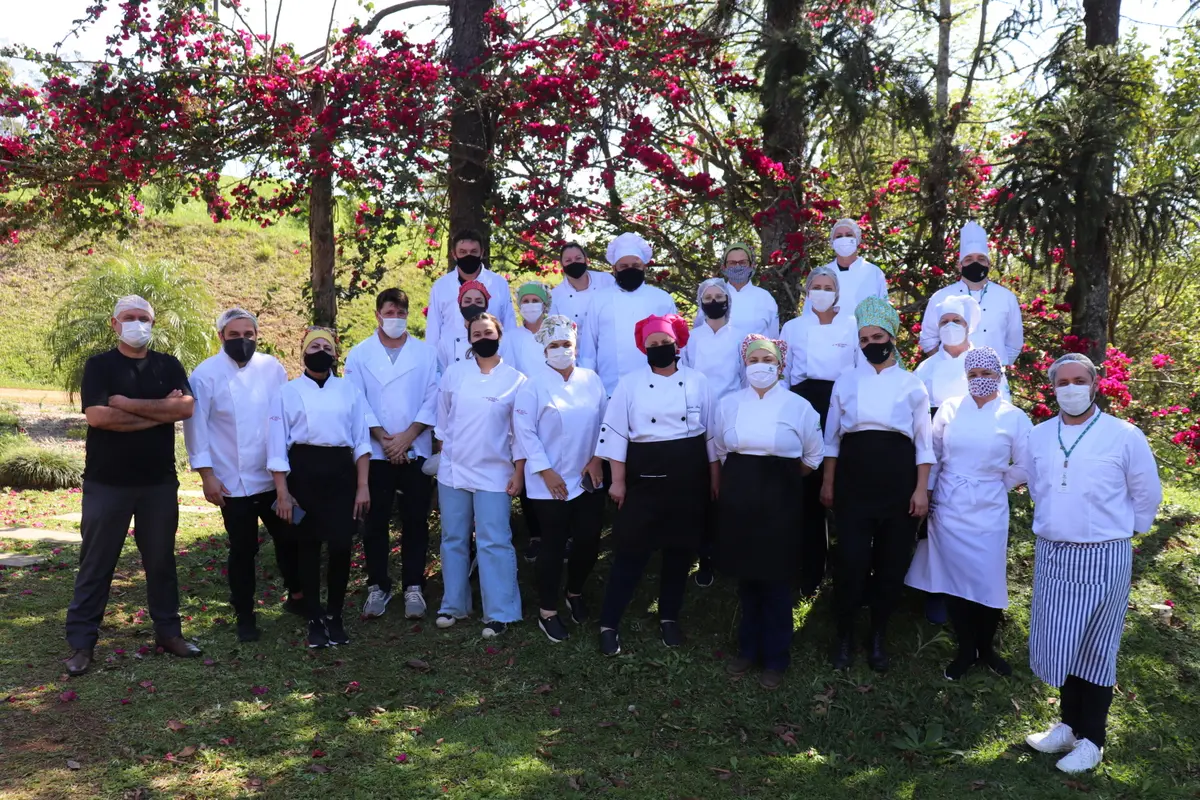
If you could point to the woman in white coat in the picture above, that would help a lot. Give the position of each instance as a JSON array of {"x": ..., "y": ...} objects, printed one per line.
[
  {"x": 942, "y": 372},
  {"x": 981, "y": 443}
]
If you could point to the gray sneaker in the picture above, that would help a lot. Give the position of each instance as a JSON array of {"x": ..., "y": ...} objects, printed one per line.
[
  {"x": 377, "y": 600},
  {"x": 414, "y": 602}
]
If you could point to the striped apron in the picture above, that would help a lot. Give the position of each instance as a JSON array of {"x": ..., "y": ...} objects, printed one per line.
[{"x": 1080, "y": 593}]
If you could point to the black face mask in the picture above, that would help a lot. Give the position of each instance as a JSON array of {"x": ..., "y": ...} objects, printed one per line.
[
  {"x": 471, "y": 312},
  {"x": 240, "y": 350},
  {"x": 715, "y": 309},
  {"x": 630, "y": 278},
  {"x": 469, "y": 265},
  {"x": 575, "y": 269},
  {"x": 974, "y": 272},
  {"x": 486, "y": 348},
  {"x": 877, "y": 352},
  {"x": 319, "y": 361},
  {"x": 660, "y": 355}
]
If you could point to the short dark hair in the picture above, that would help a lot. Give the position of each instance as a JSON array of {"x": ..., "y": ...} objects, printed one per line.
[
  {"x": 572, "y": 246},
  {"x": 486, "y": 317},
  {"x": 397, "y": 296},
  {"x": 467, "y": 235}
]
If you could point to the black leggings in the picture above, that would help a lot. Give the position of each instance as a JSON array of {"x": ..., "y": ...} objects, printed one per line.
[
  {"x": 580, "y": 520},
  {"x": 1085, "y": 708},
  {"x": 338, "y": 576},
  {"x": 974, "y": 625}
]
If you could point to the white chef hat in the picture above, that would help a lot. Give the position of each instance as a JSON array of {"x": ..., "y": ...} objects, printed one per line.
[
  {"x": 847, "y": 223},
  {"x": 973, "y": 241},
  {"x": 235, "y": 313},
  {"x": 132, "y": 301},
  {"x": 965, "y": 306},
  {"x": 629, "y": 244}
]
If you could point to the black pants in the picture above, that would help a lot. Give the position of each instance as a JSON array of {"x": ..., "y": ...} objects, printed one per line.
[
  {"x": 626, "y": 573},
  {"x": 1085, "y": 708},
  {"x": 533, "y": 525},
  {"x": 241, "y": 516},
  {"x": 416, "y": 489},
  {"x": 765, "y": 631},
  {"x": 814, "y": 536},
  {"x": 871, "y": 545},
  {"x": 107, "y": 512},
  {"x": 336, "y": 579},
  {"x": 579, "y": 519},
  {"x": 974, "y": 625}
]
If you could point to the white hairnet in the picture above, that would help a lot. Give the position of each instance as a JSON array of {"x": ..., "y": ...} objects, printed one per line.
[
  {"x": 724, "y": 287},
  {"x": 132, "y": 302},
  {"x": 629, "y": 244},
  {"x": 965, "y": 306},
  {"x": 1073, "y": 358},
  {"x": 973, "y": 241},
  {"x": 847, "y": 223},
  {"x": 232, "y": 314},
  {"x": 825, "y": 271}
]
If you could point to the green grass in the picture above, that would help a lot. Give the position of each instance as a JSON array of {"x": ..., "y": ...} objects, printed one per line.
[
  {"x": 521, "y": 718},
  {"x": 30, "y": 466}
]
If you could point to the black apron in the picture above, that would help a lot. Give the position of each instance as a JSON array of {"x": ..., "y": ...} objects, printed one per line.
[
  {"x": 876, "y": 473},
  {"x": 759, "y": 515},
  {"x": 817, "y": 393},
  {"x": 323, "y": 482},
  {"x": 667, "y": 492}
]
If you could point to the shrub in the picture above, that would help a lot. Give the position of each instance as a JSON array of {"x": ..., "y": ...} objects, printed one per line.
[
  {"x": 27, "y": 466},
  {"x": 183, "y": 308},
  {"x": 77, "y": 432},
  {"x": 8, "y": 422},
  {"x": 264, "y": 252}
]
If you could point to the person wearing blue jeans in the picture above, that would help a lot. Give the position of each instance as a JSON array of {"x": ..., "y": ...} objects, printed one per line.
[{"x": 490, "y": 513}]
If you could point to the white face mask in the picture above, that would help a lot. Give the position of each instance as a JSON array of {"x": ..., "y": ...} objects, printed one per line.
[
  {"x": 821, "y": 299},
  {"x": 845, "y": 246},
  {"x": 532, "y": 312},
  {"x": 762, "y": 376},
  {"x": 1073, "y": 398},
  {"x": 135, "y": 334},
  {"x": 952, "y": 334},
  {"x": 394, "y": 327},
  {"x": 560, "y": 357}
]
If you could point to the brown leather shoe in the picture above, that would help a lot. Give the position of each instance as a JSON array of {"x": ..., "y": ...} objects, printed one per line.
[
  {"x": 770, "y": 679},
  {"x": 178, "y": 646},
  {"x": 80, "y": 661},
  {"x": 738, "y": 666}
]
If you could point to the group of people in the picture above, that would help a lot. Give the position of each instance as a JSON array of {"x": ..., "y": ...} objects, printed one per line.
[{"x": 722, "y": 442}]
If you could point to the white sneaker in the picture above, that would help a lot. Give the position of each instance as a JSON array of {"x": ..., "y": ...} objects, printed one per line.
[
  {"x": 447, "y": 621},
  {"x": 414, "y": 602},
  {"x": 1086, "y": 756},
  {"x": 1059, "y": 739},
  {"x": 377, "y": 601}
]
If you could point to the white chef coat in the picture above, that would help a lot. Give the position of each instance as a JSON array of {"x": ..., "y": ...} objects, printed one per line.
[
  {"x": 982, "y": 453},
  {"x": 753, "y": 309},
  {"x": 607, "y": 344},
  {"x": 333, "y": 415},
  {"x": 891, "y": 400},
  {"x": 573, "y": 303},
  {"x": 556, "y": 423},
  {"x": 717, "y": 354},
  {"x": 780, "y": 423},
  {"x": 474, "y": 424},
  {"x": 999, "y": 323},
  {"x": 528, "y": 356},
  {"x": 445, "y": 318},
  {"x": 398, "y": 393},
  {"x": 820, "y": 352},
  {"x": 1112, "y": 481},
  {"x": 454, "y": 348},
  {"x": 227, "y": 431},
  {"x": 856, "y": 283},
  {"x": 944, "y": 376},
  {"x": 648, "y": 407}
]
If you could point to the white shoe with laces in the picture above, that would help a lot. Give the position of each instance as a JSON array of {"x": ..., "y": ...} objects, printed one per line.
[
  {"x": 1059, "y": 739},
  {"x": 377, "y": 601},
  {"x": 1085, "y": 757},
  {"x": 414, "y": 602}
]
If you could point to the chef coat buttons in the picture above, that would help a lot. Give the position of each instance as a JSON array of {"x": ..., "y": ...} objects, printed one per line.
[
  {"x": 652, "y": 419},
  {"x": 683, "y": 419},
  {"x": 681, "y": 383}
]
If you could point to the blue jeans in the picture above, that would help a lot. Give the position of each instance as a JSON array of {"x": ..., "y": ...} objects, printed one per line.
[
  {"x": 765, "y": 633},
  {"x": 497, "y": 559}
]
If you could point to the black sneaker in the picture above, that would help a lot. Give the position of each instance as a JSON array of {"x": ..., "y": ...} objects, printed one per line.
[
  {"x": 553, "y": 628},
  {"x": 294, "y": 606},
  {"x": 610, "y": 643},
  {"x": 532, "y": 549},
  {"x": 995, "y": 663},
  {"x": 337, "y": 631},
  {"x": 959, "y": 667},
  {"x": 704, "y": 574},
  {"x": 247, "y": 629},
  {"x": 843, "y": 653},
  {"x": 318, "y": 635},
  {"x": 671, "y": 634},
  {"x": 579, "y": 609},
  {"x": 494, "y": 629}
]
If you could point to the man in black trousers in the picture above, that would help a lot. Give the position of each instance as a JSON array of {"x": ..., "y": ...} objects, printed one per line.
[{"x": 132, "y": 397}]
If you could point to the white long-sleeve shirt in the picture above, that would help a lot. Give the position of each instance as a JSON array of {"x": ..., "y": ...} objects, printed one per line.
[
  {"x": 718, "y": 355},
  {"x": 397, "y": 393},
  {"x": 557, "y": 423},
  {"x": 891, "y": 400},
  {"x": 856, "y": 283},
  {"x": 944, "y": 376},
  {"x": 227, "y": 431},
  {"x": 475, "y": 412},
  {"x": 607, "y": 345},
  {"x": 753, "y": 309},
  {"x": 648, "y": 407},
  {"x": 528, "y": 356},
  {"x": 1108, "y": 488},
  {"x": 999, "y": 328},
  {"x": 333, "y": 415},
  {"x": 444, "y": 317},
  {"x": 573, "y": 303},
  {"x": 820, "y": 352},
  {"x": 780, "y": 423}
]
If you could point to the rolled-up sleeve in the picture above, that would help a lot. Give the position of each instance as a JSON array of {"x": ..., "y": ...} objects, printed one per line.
[{"x": 614, "y": 430}]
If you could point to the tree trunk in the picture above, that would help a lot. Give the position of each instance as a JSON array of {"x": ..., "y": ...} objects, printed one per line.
[
  {"x": 320, "y": 226},
  {"x": 471, "y": 122},
  {"x": 937, "y": 177}
]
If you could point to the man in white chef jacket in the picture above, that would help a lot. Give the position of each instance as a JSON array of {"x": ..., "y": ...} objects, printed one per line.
[
  {"x": 608, "y": 345},
  {"x": 1000, "y": 326},
  {"x": 444, "y": 317},
  {"x": 226, "y": 440},
  {"x": 751, "y": 308},
  {"x": 572, "y": 297},
  {"x": 397, "y": 374},
  {"x": 858, "y": 278}
]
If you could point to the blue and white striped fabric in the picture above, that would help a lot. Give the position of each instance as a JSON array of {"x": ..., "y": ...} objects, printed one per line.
[{"x": 1080, "y": 593}]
